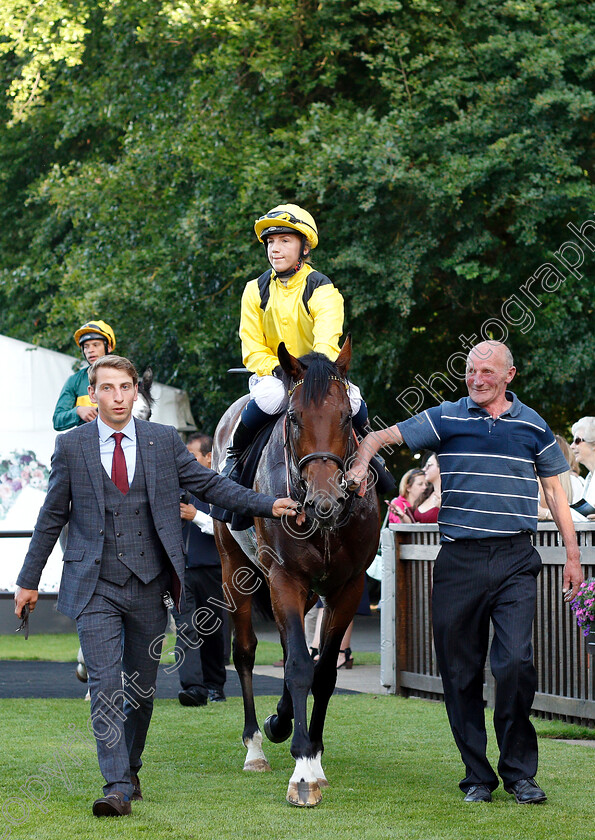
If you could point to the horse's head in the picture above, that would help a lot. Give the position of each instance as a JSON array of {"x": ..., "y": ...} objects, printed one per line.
[
  {"x": 143, "y": 407},
  {"x": 319, "y": 431}
]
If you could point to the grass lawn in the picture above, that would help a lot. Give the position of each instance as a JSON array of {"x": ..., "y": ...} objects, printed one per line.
[
  {"x": 391, "y": 763},
  {"x": 63, "y": 647}
]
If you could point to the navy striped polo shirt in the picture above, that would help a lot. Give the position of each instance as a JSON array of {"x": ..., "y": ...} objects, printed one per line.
[{"x": 488, "y": 466}]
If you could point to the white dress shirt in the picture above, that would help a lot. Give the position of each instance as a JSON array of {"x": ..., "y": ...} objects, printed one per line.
[{"x": 107, "y": 444}]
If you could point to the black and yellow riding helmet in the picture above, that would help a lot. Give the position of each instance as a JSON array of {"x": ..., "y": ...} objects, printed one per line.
[
  {"x": 94, "y": 330},
  {"x": 287, "y": 218}
]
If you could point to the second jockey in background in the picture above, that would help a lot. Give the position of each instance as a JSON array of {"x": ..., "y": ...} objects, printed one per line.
[{"x": 74, "y": 406}]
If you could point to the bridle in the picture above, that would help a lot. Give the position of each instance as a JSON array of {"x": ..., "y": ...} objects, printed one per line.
[{"x": 296, "y": 465}]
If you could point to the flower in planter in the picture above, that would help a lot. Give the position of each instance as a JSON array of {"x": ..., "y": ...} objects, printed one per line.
[{"x": 584, "y": 605}]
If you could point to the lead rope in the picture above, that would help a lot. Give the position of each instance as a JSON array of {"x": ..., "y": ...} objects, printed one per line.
[{"x": 327, "y": 548}]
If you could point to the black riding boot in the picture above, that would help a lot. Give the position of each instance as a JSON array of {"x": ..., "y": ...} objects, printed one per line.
[{"x": 242, "y": 438}]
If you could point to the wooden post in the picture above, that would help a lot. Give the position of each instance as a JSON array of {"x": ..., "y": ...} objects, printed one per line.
[{"x": 402, "y": 617}]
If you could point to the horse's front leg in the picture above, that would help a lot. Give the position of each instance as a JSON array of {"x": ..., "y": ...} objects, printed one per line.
[
  {"x": 278, "y": 727},
  {"x": 338, "y": 613},
  {"x": 303, "y": 789}
]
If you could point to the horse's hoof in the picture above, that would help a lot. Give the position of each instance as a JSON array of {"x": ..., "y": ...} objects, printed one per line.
[
  {"x": 257, "y": 765},
  {"x": 273, "y": 732},
  {"x": 81, "y": 672},
  {"x": 323, "y": 782},
  {"x": 304, "y": 794}
]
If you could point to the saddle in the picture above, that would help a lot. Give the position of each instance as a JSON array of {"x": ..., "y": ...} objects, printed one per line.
[{"x": 245, "y": 475}]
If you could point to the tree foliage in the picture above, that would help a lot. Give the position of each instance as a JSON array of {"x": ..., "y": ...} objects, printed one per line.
[{"x": 442, "y": 147}]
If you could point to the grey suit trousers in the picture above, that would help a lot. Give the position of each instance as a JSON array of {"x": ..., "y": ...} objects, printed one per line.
[{"x": 118, "y": 630}]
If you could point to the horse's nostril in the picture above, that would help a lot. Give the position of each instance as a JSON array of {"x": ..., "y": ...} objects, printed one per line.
[{"x": 324, "y": 507}]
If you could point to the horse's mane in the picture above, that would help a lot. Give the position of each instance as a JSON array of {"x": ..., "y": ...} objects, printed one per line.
[{"x": 316, "y": 378}]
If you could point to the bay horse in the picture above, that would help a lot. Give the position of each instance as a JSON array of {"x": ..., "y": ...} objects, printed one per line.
[{"x": 325, "y": 555}]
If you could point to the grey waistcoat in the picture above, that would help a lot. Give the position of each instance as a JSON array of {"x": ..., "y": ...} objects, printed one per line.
[{"x": 131, "y": 543}]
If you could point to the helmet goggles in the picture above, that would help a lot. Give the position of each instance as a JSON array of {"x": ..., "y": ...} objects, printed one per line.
[{"x": 287, "y": 218}]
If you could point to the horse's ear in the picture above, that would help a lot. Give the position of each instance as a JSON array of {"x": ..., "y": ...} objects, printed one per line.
[
  {"x": 292, "y": 366},
  {"x": 147, "y": 379},
  {"x": 343, "y": 360}
]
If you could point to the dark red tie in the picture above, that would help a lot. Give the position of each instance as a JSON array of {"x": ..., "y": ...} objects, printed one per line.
[{"x": 119, "y": 471}]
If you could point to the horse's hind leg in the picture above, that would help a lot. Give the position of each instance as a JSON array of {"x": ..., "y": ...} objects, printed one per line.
[
  {"x": 278, "y": 727},
  {"x": 244, "y": 644}
]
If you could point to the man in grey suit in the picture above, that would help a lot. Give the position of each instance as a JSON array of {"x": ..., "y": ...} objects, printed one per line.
[{"x": 116, "y": 481}]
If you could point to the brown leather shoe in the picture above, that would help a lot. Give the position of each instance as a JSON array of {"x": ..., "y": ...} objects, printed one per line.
[
  {"x": 137, "y": 795},
  {"x": 112, "y": 805}
]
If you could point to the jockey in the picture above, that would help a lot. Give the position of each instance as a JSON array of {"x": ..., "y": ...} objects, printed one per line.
[
  {"x": 74, "y": 407},
  {"x": 293, "y": 303}
]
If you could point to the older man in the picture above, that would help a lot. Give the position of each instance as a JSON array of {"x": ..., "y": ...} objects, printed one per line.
[
  {"x": 117, "y": 481},
  {"x": 491, "y": 448}
]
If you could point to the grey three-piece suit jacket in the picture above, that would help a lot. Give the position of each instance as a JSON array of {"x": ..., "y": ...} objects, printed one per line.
[{"x": 75, "y": 495}]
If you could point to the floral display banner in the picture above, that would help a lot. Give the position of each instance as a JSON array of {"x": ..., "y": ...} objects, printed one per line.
[{"x": 17, "y": 471}]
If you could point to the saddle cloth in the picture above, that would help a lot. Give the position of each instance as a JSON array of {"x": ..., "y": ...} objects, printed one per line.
[{"x": 247, "y": 472}]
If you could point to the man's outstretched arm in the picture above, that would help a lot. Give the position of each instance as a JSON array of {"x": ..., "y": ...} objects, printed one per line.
[{"x": 367, "y": 449}]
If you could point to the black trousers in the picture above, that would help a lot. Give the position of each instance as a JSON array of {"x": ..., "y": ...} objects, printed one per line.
[
  {"x": 200, "y": 647},
  {"x": 475, "y": 582}
]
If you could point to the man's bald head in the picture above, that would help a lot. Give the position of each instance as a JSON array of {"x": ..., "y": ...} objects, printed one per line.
[
  {"x": 494, "y": 350},
  {"x": 490, "y": 368}
]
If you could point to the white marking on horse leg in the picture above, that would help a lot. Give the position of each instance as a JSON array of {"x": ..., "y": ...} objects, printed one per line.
[
  {"x": 304, "y": 789},
  {"x": 317, "y": 769},
  {"x": 256, "y": 760},
  {"x": 304, "y": 770}
]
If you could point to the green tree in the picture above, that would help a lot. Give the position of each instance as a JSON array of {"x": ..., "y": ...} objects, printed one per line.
[{"x": 443, "y": 149}]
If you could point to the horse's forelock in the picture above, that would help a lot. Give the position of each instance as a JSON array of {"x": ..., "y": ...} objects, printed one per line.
[{"x": 319, "y": 369}]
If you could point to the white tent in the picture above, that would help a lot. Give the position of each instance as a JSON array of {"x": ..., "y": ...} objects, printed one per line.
[{"x": 31, "y": 379}]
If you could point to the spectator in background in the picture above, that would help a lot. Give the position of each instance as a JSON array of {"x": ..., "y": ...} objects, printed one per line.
[
  {"x": 428, "y": 507},
  {"x": 571, "y": 482},
  {"x": 583, "y": 448},
  {"x": 201, "y": 655},
  {"x": 411, "y": 487},
  {"x": 74, "y": 406},
  {"x": 576, "y": 481}
]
